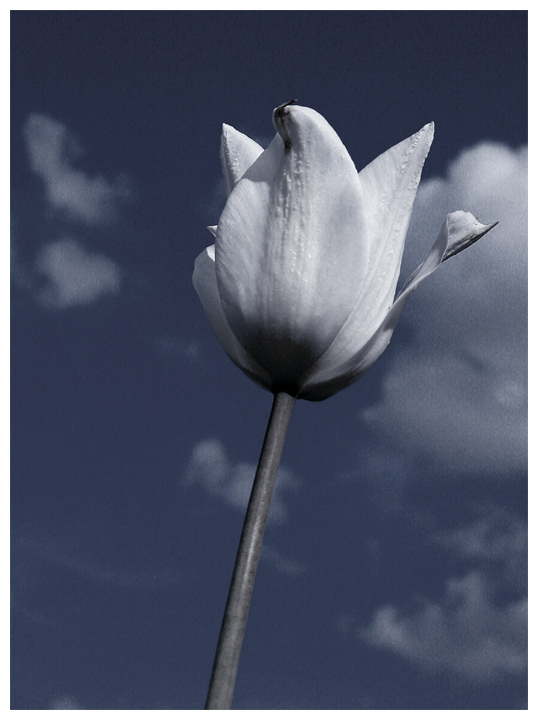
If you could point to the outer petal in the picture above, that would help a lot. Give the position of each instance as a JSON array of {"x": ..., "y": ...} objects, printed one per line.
[
  {"x": 388, "y": 189},
  {"x": 460, "y": 230},
  {"x": 205, "y": 283},
  {"x": 292, "y": 247},
  {"x": 237, "y": 153}
]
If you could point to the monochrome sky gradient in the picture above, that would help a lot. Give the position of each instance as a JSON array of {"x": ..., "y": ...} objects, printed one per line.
[{"x": 394, "y": 568}]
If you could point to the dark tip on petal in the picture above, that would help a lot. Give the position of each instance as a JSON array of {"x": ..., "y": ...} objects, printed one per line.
[
  {"x": 280, "y": 108},
  {"x": 280, "y": 115}
]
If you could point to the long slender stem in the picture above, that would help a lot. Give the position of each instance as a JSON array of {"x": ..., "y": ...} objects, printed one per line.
[{"x": 232, "y": 631}]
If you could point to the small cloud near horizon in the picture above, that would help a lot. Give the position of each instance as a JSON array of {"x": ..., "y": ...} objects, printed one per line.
[{"x": 65, "y": 702}]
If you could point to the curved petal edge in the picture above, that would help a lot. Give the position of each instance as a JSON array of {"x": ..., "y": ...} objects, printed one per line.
[
  {"x": 237, "y": 153},
  {"x": 460, "y": 230},
  {"x": 205, "y": 283},
  {"x": 388, "y": 188}
]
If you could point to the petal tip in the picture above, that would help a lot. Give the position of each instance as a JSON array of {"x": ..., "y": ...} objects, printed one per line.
[
  {"x": 427, "y": 132},
  {"x": 464, "y": 229},
  {"x": 281, "y": 120}
]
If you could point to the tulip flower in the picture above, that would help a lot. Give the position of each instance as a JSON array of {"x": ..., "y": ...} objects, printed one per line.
[{"x": 300, "y": 286}]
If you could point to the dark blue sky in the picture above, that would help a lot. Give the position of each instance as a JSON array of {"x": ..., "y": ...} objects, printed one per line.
[{"x": 394, "y": 573}]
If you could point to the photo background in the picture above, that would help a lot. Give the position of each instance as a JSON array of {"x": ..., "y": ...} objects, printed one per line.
[{"x": 393, "y": 574}]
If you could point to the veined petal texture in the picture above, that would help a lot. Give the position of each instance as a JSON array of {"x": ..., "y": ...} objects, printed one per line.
[
  {"x": 237, "y": 153},
  {"x": 293, "y": 247},
  {"x": 388, "y": 187}
]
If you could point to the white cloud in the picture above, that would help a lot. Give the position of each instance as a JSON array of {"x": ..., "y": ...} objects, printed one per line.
[
  {"x": 457, "y": 392},
  {"x": 75, "y": 276},
  {"x": 465, "y": 632},
  {"x": 66, "y": 702},
  {"x": 53, "y": 150},
  {"x": 498, "y": 539},
  {"x": 64, "y": 273},
  {"x": 469, "y": 630},
  {"x": 210, "y": 468}
]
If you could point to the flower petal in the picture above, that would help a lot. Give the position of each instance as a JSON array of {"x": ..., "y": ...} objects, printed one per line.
[
  {"x": 388, "y": 189},
  {"x": 460, "y": 230},
  {"x": 293, "y": 246},
  {"x": 237, "y": 153},
  {"x": 205, "y": 283}
]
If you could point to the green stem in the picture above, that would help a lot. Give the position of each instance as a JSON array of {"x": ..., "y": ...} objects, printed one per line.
[{"x": 222, "y": 683}]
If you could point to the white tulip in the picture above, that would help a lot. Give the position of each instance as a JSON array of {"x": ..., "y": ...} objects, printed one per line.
[{"x": 299, "y": 286}]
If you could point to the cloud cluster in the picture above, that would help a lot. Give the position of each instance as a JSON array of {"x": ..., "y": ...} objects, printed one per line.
[
  {"x": 53, "y": 151},
  {"x": 469, "y": 631},
  {"x": 464, "y": 633},
  {"x": 456, "y": 393},
  {"x": 454, "y": 397},
  {"x": 231, "y": 483},
  {"x": 65, "y": 272}
]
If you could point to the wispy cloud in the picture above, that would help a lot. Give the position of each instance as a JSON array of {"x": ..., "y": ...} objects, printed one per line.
[
  {"x": 464, "y": 632},
  {"x": 172, "y": 347},
  {"x": 231, "y": 482},
  {"x": 75, "y": 276},
  {"x": 66, "y": 272},
  {"x": 53, "y": 152},
  {"x": 281, "y": 563},
  {"x": 457, "y": 392},
  {"x": 470, "y": 630},
  {"x": 37, "y": 552},
  {"x": 497, "y": 540}
]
